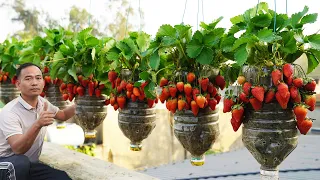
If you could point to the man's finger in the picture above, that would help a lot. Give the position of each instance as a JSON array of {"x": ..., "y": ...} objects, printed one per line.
[{"x": 45, "y": 106}]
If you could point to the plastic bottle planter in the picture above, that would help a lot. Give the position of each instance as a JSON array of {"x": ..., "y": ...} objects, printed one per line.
[
  {"x": 136, "y": 121},
  {"x": 8, "y": 92},
  {"x": 270, "y": 134},
  {"x": 54, "y": 97},
  {"x": 90, "y": 112},
  {"x": 197, "y": 134}
]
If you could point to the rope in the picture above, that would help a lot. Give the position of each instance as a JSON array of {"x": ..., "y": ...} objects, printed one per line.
[
  {"x": 198, "y": 14},
  {"x": 275, "y": 15},
  {"x": 89, "y": 20},
  {"x": 202, "y": 12},
  {"x": 257, "y": 7},
  {"x": 140, "y": 17},
  {"x": 184, "y": 11},
  {"x": 287, "y": 7},
  {"x": 127, "y": 19}
]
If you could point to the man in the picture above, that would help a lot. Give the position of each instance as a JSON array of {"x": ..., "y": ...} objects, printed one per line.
[{"x": 23, "y": 123}]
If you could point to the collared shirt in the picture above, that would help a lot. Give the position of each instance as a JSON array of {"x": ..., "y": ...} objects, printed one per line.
[{"x": 17, "y": 117}]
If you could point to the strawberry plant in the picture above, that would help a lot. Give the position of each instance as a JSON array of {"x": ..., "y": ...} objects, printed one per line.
[
  {"x": 77, "y": 63},
  {"x": 130, "y": 74},
  {"x": 190, "y": 66},
  {"x": 270, "y": 43},
  {"x": 9, "y": 59}
]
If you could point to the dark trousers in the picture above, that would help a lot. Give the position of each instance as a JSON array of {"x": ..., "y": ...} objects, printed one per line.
[{"x": 23, "y": 169}]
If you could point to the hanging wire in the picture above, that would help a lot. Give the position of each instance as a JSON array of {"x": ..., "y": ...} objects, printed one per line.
[
  {"x": 127, "y": 19},
  {"x": 257, "y": 7},
  {"x": 275, "y": 15},
  {"x": 140, "y": 17},
  {"x": 89, "y": 20},
  {"x": 202, "y": 12},
  {"x": 198, "y": 14},
  {"x": 184, "y": 11},
  {"x": 287, "y": 7}
]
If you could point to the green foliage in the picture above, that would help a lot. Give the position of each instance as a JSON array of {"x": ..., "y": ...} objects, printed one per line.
[{"x": 279, "y": 43}]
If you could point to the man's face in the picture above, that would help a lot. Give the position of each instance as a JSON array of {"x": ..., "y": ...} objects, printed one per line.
[{"x": 30, "y": 82}]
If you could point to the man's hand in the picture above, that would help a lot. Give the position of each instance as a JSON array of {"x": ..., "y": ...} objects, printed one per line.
[{"x": 46, "y": 118}]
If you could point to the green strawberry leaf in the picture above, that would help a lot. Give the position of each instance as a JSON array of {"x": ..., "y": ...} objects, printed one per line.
[
  {"x": 205, "y": 57},
  {"x": 314, "y": 41},
  {"x": 241, "y": 55},
  {"x": 155, "y": 60}
]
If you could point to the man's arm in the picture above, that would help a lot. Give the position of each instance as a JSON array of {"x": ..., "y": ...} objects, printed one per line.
[
  {"x": 66, "y": 113},
  {"x": 21, "y": 143}
]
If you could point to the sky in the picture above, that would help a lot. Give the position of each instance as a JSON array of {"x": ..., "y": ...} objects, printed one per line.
[{"x": 158, "y": 12}]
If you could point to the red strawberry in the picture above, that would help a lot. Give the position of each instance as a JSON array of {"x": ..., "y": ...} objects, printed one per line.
[
  {"x": 195, "y": 92},
  {"x": 117, "y": 81},
  {"x": 189, "y": 99},
  {"x": 112, "y": 75},
  {"x": 210, "y": 88},
  {"x": 283, "y": 89},
  {"x": 243, "y": 97},
  {"x": 187, "y": 89},
  {"x": 297, "y": 99},
  {"x": 80, "y": 78},
  {"x": 165, "y": 92},
  {"x": 173, "y": 90},
  {"x": 180, "y": 86},
  {"x": 311, "y": 85},
  {"x": 237, "y": 112},
  {"x": 293, "y": 92},
  {"x": 65, "y": 97},
  {"x": 194, "y": 108},
  {"x": 47, "y": 79},
  {"x": 212, "y": 103},
  {"x": 107, "y": 102},
  {"x": 80, "y": 90},
  {"x": 144, "y": 84},
  {"x": 256, "y": 104},
  {"x": 116, "y": 106},
  {"x": 14, "y": 80},
  {"x": 133, "y": 98},
  {"x": 71, "y": 96},
  {"x": 63, "y": 86},
  {"x": 218, "y": 97},
  {"x": 246, "y": 88},
  {"x": 220, "y": 82},
  {"x": 214, "y": 92},
  {"x": 163, "y": 82},
  {"x": 191, "y": 77},
  {"x": 46, "y": 69},
  {"x": 129, "y": 87},
  {"x": 270, "y": 95},
  {"x": 289, "y": 80},
  {"x": 300, "y": 110},
  {"x": 200, "y": 100},
  {"x": 227, "y": 104},
  {"x": 43, "y": 94},
  {"x": 258, "y": 92},
  {"x": 204, "y": 82},
  {"x": 283, "y": 101},
  {"x": 276, "y": 76},
  {"x": 174, "y": 105},
  {"x": 97, "y": 92},
  {"x": 310, "y": 100},
  {"x": 136, "y": 91},
  {"x": 90, "y": 88},
  {"x": 121, "y": 100},
  {"x": 101, "y": 86},
  {"x": 304, "y": 126},
  {"x": 129, "y": 93},
  {"x": 74, "y": 91},
  {"x": 150, "y": 102},
  {"x": 70, "y": 87},
  {"x": 85, "y": 82},
  {"x": 287, "y": 70},
  {"x": 298, "y": 82},
  {"x": 235, "y": 124},
  {"x": 181, "y": 104},
  {"x": 123, "y": 84},
  {"x": 112, "y": 100}
]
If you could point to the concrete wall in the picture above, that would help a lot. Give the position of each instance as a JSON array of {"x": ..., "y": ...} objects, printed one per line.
[{"x": 161, "y": 147}]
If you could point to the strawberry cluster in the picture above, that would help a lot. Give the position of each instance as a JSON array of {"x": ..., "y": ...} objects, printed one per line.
[
  {"x": 4, "y": 78},
  {"x": 285, "y": 88},
  {"x": 125, "y": 91},
  {"x": 191, "y": 95}
]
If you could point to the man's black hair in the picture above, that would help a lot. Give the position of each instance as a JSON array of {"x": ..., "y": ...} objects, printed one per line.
[{"x": 23, "y": 66}]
